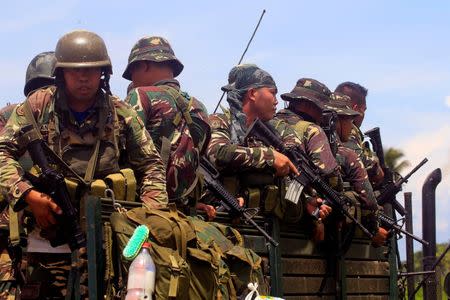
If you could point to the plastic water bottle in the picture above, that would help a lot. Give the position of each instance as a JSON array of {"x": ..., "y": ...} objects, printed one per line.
[{"x": 141, "y": 276}]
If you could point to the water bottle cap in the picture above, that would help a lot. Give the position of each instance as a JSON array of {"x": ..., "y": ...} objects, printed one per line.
[{"x": 146, "y": 245}]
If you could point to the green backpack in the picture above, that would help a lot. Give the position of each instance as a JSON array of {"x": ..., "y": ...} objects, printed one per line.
[{"x": 192, "y": 257}]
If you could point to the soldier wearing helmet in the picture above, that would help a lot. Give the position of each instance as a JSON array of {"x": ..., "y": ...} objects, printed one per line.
[
  {"x": 352, "y": 169},
  {"x": 176, "y": 121},
  {"x": 39, "y": 74},
  {"x": 82, "y": 123}
]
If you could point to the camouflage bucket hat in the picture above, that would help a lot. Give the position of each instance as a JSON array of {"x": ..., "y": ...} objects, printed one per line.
[
  {"x": 39, "y": 72},
  {"x": 156, "y": 49},
  {"x": 342, "y": 104},
  {"x": 247, "y": 76},
  {"x": 311, "y": 90}
]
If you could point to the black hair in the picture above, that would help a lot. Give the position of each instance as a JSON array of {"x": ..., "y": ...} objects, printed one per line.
[{"x": 355, "y": 91}]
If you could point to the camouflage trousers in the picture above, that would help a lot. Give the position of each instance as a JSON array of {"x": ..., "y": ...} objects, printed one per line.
[
  {"x": 48, "y": 275},
  {"x": 8, "y": 287}
]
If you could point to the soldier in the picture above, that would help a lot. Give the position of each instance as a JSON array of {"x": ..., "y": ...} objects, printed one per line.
[
  {"x": 39, "y": 74},
  {"x": 352, "y": 169},
  {"x": 251, "y": 94},
  {"x": 358, "y": 94},
  {"x": 177, "y": 122},
  {"x": 81, "y": 122},
  {"x": 304, "y": 113}
]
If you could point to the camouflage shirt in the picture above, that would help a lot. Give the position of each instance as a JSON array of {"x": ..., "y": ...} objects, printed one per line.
[
  {"x": 5, "y": 113},
  {"x": 313, "y": 141},
  {"x": 368, "y": 158},
  {"x": 165, "y": 121},
  {"x": 229, "y": 156},
  {"x": 353, "y": 172},
  {"x": 123, "y": 133}
]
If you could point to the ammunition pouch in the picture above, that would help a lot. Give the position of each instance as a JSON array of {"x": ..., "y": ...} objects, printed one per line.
[
  {"x": 260, "y": 190},
  {"x": 123, "y": 184}
]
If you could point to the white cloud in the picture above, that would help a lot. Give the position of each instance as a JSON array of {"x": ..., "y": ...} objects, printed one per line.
[{"x": 447, "y": 101}]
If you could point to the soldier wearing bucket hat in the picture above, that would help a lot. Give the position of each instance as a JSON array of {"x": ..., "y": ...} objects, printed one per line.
[
  {"x": 154, "y": 49},
  {"x": 358, "y": 94},
  {"x": 352, "y": 168},
  {"x": 306, "y": 102},
  {"x": 177, "y": 122}
]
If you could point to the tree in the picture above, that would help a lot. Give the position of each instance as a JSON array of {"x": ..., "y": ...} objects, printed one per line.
[{"x": 392, "y": 157}]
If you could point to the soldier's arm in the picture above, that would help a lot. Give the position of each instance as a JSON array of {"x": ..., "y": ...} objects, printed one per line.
[
  {"x": 226, "y": 155},
  {"x": 368, "y": 158},
  {"x": 357, "y": 176},
  {"x": 13, "y": 185},
  {"x": 145, "y": 160},
  {"x": 318, "y": 149},
  {"x": 201, "y": 132}
]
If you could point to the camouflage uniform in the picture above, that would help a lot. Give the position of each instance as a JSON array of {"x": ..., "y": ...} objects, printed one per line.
[
  {"x": 5, "y": 113},
  {"x": 74, "y": 142},
  {"x": 314, "y": 142},
  {"x": 245, "y": 163},
  {"x": 352, "y": 168},
  {"x": 115, "y": 124},
  {"x": 38, "y": 74},
  {"x": 180, "y": 143},
  {"x": 369, "y": 159}
]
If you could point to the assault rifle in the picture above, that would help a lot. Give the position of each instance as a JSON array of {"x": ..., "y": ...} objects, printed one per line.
[
  {"x": 52, "y": 183},
  {"x": 308, "y": 172},
  {"x": 328, "y": 124},
  {"x": 390, "y": 224},
  {"x": 227, "y": 200},
  {"x": 390, "y": 187}
]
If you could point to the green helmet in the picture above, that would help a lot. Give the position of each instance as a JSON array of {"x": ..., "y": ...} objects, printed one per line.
[
  {"x": 156, "y": 49},
  {"x": 39, "y": 72},
  {"x": 82, "y": 49}
]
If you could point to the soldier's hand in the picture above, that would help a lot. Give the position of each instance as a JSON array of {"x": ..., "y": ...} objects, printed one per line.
[
  {"x": 380, "y": 237},
  {"x": 43, "y": 208},
  {"x": 314, "y": 202},
  {"x": 283, "y": 166},
  {"x": 209, "y": 209}
]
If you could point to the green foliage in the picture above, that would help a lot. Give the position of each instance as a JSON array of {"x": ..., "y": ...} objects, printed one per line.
[
  {"x": 442, "y": 269},
  {"x": 392, "y": 158}
]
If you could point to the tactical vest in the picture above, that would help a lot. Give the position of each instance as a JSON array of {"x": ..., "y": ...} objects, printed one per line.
[
  {"x": 93, "y": 150},
  {"x": 259, "y": 188}
]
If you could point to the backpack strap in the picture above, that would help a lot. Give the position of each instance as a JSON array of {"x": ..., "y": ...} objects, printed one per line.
[
  {"x": 174, "y": 277},
  {"x": 14, "y": 234}
]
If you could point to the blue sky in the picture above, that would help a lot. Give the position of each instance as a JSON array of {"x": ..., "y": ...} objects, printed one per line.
[{"x": 398, "y": 50}]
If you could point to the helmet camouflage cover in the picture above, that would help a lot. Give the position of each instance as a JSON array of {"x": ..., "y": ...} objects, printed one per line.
[
  {"x": 342, "y": 105},
  {"x": 311, "y": 90},
  {"x": 82, "y": 49},
  {"x": 40, "y": 72},
  {"x": 156, "y": 49}
]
